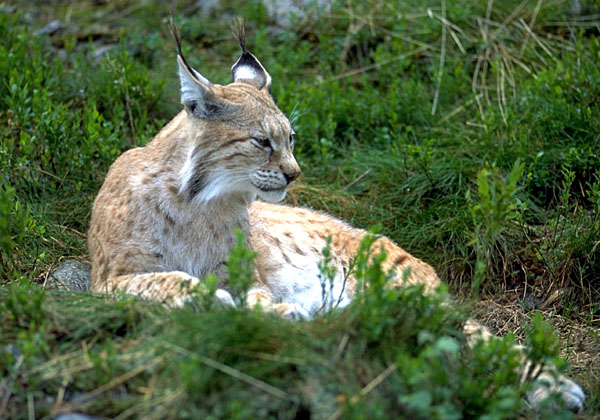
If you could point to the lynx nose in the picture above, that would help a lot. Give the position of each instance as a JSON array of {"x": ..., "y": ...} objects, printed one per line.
[{"x": 291, "y": 175}]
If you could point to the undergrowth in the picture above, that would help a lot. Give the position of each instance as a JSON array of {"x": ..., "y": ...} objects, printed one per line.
[
  {"x": 393, "y": 351},
  {"x": 468, "y": 130}
]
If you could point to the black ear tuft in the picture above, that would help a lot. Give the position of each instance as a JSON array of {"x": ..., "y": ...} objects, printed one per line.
[
  {"x": 248, "y": 69},
  {"x": 175, "y": 32},
  {"x": 197, "y": 93},
  {"x": 239, "y": 31}
]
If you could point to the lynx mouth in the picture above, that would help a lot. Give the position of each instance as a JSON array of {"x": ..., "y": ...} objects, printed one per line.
[
  {"x": 272, "y": 195},
  {"x": 269, "y": 190}
]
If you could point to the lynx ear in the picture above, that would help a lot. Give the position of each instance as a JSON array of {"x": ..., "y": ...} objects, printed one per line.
[
  {"x": 196, "y": 90},
  {"x": 248, "y": 69}
]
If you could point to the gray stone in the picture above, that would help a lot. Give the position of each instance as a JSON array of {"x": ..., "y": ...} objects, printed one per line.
[
  {"x": 287, "y": 13},
  {"x": 70, "y": 275},
  {"x": 75, "y": 416},
  {"x": 52, "y": 28}
]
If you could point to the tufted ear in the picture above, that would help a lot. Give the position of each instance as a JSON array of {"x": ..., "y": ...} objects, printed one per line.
[
  {"x": 196, "y": 90},
  {"x": 248, "y": 69}
]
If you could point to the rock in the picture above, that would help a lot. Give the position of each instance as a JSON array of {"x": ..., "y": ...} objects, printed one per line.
[
  {"x": 286, "y": 13},
  {"x": 54, "y": 27},
  {"x": 75, "y": 416},
  {"x": 70, "y": 275},
  {"x": 206, "y": 7}
]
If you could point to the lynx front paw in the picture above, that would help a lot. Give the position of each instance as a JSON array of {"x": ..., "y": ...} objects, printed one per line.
[
  {"x": 291, "y": 311},
  {"x": 571, "y": 393},
  {"x": 223, "y": 297}
]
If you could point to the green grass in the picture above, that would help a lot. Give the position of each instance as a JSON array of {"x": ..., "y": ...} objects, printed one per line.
[{"x": 497, "y": 185}]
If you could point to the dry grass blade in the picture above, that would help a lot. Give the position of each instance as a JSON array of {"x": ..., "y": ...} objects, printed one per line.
[
  {"x": 531, "y": 23},
  {"x": 440, "y": 74},
  {"x": 369, "y": 67},
  {"x": 355, "y": 24},
  {"x": 500, "y": 93},
  {"x": 367, "y": 389},
  {"x": 159, "y": 406},
  {"x": 488, "y": 14},
  {"x": 111, "y": 384},
  {"x": 457, "y": 41},
  {"x": 358, "y": 178},
  {"x": 405, "y": 38},
  {"x": 461, "y": 107},
  {"x": 30, "y": 407},
  {"x": 541, "y": 43},
  {"x": 234, "y": 373},
  {"x": 7, "y": 385}
]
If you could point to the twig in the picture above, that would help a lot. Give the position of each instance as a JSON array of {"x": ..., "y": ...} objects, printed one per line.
[
  {"x": 113, "y": 383},
  {"x": 75, "y": 231},
  {"x": 274, "y": 358},
  {"x": 367, "y": 389},
  {"x": 369, "y": 67},
  {"x": 440, "y": 74},
  {"x": 341, "y": 347}
]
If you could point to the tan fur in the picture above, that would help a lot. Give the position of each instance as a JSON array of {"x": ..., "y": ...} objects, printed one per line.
[{"x": 166, "y": 214}]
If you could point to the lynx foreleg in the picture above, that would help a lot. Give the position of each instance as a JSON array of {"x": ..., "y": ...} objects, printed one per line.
[
  {"x": 173, "y": 288},
  {"x": 257, "y": 296}
]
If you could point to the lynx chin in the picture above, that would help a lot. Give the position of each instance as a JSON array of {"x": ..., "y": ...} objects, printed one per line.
[{"x": 166, "y": 214}]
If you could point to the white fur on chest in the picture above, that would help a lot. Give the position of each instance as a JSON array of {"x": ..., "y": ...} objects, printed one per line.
[{"x": 301, "y": 282}]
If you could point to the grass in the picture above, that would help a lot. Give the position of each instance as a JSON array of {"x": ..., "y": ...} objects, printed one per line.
[{"x": 468, "y": 130}]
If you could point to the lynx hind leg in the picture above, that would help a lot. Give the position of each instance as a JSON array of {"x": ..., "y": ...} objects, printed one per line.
[
  {"x": 264, "y": 300},
  {"x": 408, "y": 270},
  {"x": 174, "y": 288},
  {"x": 548, "y": 381}
]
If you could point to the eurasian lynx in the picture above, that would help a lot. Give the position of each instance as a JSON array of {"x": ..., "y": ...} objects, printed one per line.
[{"x": 166, "y": 214}]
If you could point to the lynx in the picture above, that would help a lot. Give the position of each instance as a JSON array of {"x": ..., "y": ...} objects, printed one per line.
[{"x": 166, "y": 214}]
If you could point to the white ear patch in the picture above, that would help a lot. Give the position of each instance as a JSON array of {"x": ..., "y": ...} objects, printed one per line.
[
  {"x": 194, "y": 87},
  {"x": 249, "y": 70},
  {"x": 244, "y": 73}
]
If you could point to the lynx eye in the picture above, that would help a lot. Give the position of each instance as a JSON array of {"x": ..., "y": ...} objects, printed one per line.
[
  {"x": 292, "y": 141},
  {"x": 263, "y": 142}
]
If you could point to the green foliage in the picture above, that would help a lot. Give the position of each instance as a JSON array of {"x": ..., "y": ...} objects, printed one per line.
[
  {"x": 16, "y": 223},
  {"x": 240, "y": 267},
  {"x": 496, "y": 207},
  {"x": 392, "y": 351},
  {"x": 541, "y": 345}
]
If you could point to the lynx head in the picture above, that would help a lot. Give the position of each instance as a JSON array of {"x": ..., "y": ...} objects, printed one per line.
[{"x": 242, "y": 142}]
